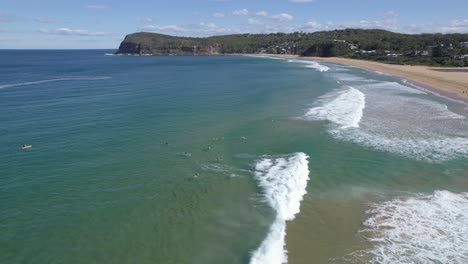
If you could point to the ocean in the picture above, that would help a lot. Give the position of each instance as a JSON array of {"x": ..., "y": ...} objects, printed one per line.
[{"x": 225, "y": 159}]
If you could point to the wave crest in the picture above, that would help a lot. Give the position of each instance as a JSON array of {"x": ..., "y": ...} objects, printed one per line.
[
  {"x": 344, "y": 108},
  {"x": 312, "y": 64},
  {"x": 420, "y": 229},
  {"x": 54, "y": 80},
  {"x": 284, "y": 182}
]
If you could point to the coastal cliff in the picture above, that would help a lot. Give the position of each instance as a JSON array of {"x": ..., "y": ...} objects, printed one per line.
[{"x": 159, "y": 44}]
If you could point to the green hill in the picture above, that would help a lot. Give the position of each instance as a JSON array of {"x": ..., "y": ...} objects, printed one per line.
[{"x": 373, "y": 44}]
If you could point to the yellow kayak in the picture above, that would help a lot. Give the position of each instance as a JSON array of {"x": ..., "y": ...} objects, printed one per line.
[{"x": 26, "y": 146}]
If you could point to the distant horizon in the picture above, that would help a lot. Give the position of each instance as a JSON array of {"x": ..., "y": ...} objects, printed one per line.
[
  {"x": 98, "y": 24},
  {"x": 173, "y": 35}
]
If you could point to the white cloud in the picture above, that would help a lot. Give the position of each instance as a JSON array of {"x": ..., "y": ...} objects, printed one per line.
[
  {"x": 97, "y": 7},
  {"x": 219, "y": 15},
  {"x": 282, "y": 17},
  {"x": 145, "y": 19},
  {"x": 391, "y": 14},
  {"x": 454, "y": 26},
  {"x": 205, "y": 25},
  {"x": 301, "y": 1},
  {"x": 163, "y": 28},
  {"x": 313, "y": 25},
  {"x": 277, "y": 23},
  {"x": 72, "y": 32},
  {"x": 253, "y": 21},
  {"x": 241, "y": 12}
]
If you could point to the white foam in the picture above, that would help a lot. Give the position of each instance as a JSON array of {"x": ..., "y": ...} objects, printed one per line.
[
  {"x": 382, "y": 73},
  {"x": 346, "y": 77},
  {"x": 312, "y": 64},
  {"x": 54, "y": 80},
  {"x": 394, "y": 87},
  {"x": 319, "y": 67},
  {"x": 419, "y": 229},
  {"x": 264, "y": 57},
  {"x": 428, "y": 149},
  {"x": 284, "y": 182},
  {"x": 395, "y": 118},
  {"x": 344, "y": 108},
  {"x": 431, "y": 91}
]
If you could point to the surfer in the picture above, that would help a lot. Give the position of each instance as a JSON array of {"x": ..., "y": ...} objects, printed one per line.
[{"x": 26, "y": 146}]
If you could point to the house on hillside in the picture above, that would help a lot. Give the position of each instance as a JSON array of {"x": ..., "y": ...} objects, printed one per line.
[
  {"x": 422, "y": 53},
  {"x": 394, "y": 55}
]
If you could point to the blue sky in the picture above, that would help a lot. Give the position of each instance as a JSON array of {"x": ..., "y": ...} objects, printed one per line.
[{"x": 104, "y": 23}]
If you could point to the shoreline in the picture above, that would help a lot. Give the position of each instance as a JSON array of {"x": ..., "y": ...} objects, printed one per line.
[
  {"x": 441, "y": 82},
  {"x": 448, "y": 83}
]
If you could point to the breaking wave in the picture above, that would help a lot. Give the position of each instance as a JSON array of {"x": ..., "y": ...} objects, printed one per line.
[
  {"x": 312, "y": 64},
  {"x": 284, "y": 182},
  {"x": 264, "y": 57},
  {"x": 419, "y": 229},
  {"x": 3, "y": 86},
  {"x": 344, "y": 108},
  {"x": 392, "y": 117}
]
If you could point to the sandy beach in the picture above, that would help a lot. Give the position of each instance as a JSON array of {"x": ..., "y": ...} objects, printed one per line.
[{"x": 452, "y": 82}]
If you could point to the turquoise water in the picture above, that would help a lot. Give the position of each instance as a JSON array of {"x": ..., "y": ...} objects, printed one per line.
[{"x": 159, "y": 160}]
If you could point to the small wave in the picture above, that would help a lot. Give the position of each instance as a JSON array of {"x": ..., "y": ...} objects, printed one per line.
[
  {"x": 419, "y": 229},
  {"x": 284, "y": 182},
  {"x": 382, "y": 73},
  {"x": 418, "y": 147},
  {"x": 434, "y": 92},
  {"x": 394, "y": 87},
  {"x": 346, "y": 77},
  {"x": 312, "y": 64},
  {"x": 3, "y": 86},
  {"x": 264, "y": 57},
  {"x": 344, "y": 108}
]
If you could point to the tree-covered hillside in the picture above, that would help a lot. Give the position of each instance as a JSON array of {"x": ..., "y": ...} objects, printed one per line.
[{"x": 380, "y": 45}]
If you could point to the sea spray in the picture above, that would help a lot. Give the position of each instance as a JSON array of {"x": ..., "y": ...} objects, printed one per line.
[
  {"x": 284, "y": 182},
  {"x": 419, "y": 229}
]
